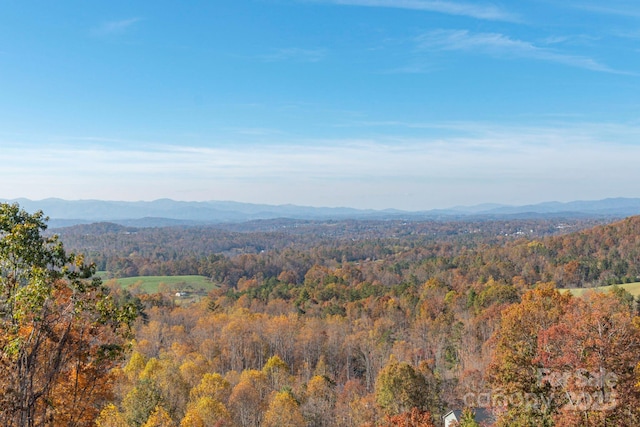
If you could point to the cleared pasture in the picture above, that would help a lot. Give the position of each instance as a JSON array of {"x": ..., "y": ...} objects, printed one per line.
[
  {"x": 632, "y": 288},
  {"x": 151, "y": 284}
]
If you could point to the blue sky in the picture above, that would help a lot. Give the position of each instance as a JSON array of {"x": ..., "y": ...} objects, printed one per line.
[{"x": 409, "y": 104}]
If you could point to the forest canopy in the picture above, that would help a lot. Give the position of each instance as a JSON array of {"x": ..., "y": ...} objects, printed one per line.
[{"x": 339, "y": 324}]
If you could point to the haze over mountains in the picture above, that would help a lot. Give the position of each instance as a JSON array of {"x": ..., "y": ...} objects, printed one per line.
[{"x": 165, "y": 212}]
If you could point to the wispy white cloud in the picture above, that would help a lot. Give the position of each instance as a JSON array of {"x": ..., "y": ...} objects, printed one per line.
[
  {"x": 503, "y": 46},
  {"x": 473, "y": 10},
  {"x": 472, "y": 163},
  {"x": 112, "y": 28},
  {"x": 627, "y": 34},
  {"x": 624, "y": 8},
  {"x": 574, "y": 39},
  {"x": 295, "y": 54}
]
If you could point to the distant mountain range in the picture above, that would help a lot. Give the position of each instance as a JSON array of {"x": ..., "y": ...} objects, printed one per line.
[{"x": 165, "y": 212}]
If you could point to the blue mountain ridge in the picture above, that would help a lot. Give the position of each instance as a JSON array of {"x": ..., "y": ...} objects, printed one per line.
[{"x": 165, "y": 212}]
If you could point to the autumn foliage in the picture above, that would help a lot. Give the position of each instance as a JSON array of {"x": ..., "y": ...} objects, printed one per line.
[
  {"x": 570, "y": 361},
  {"x": 324, "y": 325},
  {"x": 60, "y": 331},
  {"x": 397, "y": 339},
  {"x": 413, "y": 418}
]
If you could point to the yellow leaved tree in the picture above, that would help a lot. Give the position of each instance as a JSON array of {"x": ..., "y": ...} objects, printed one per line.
[{"x": 60, "y": 330}]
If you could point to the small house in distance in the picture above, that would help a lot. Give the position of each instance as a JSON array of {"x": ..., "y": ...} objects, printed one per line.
[{"x": 483, "y": 416}]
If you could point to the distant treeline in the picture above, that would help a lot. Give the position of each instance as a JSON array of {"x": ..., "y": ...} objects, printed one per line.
[{"x": 385, "y": 252}]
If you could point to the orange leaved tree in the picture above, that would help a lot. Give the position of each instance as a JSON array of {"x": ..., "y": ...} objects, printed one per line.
[{"x": 60, "y": 330}]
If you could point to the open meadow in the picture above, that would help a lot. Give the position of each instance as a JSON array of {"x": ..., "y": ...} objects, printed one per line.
[
  {"x": 151, "y": 284},
  {"x": 632, "y": 288}
]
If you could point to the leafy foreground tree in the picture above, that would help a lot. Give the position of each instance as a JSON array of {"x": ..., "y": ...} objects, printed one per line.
[
  {"x": 468, "y": 419},
  {"x": 283, "y": 411},
  {"x": 566, "y": 361},
  {"x": 400, "y": 388},
  {"x": 60, "y": 329},
  {"x": 413, "y": 418}
]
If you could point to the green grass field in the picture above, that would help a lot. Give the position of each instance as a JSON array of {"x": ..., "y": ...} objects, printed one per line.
[
  {"x": 150, "y": 284},
  {"x": 632, "y": 288}
]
